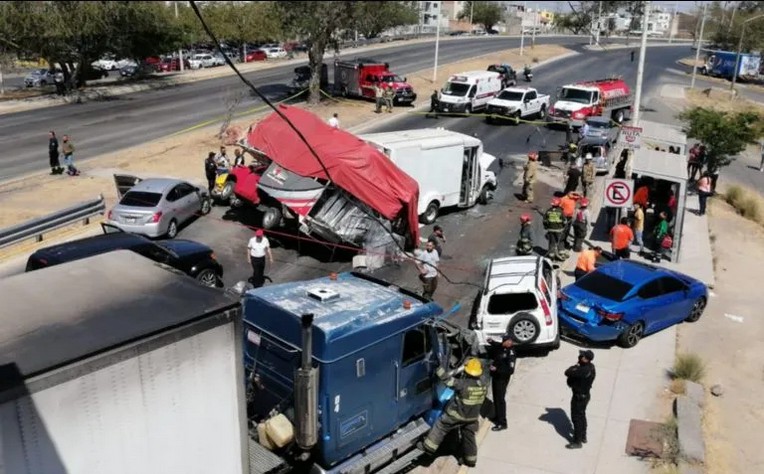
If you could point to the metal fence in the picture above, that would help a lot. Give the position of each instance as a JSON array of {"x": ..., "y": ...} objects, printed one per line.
[{"x": 36, "y": 228}]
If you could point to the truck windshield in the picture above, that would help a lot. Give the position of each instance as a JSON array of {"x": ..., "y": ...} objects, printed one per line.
[
  {"x": 392, "y": 78},
  {"x": 576, "y": 95},
  {"x": 513, "y": 96},
  {"x": 459, "y": 89}
]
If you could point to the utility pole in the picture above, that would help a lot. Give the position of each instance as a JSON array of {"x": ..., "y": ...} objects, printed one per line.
[
  {"x": 641, "y": 65},
  {"x": 437, "y": 45},
  {"x": 472, "y": 10},
  {"x": 599, "y": 21},
  {"x": 180, "y": 49},
  {"x": 522, "y": 28},
  {"x": 673, "y": 22},
  {"x": 697, "y": 49},
  {"x": 535, "y": 25}
]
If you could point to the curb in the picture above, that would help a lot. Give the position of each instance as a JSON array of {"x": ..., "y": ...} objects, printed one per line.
[{"x": 595, "y": 47}]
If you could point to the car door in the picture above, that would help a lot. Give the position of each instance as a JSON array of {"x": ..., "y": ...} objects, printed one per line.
[
  {"x": 172, "y": 205},
  {"x": 188, "y": 200},
  {"x": 529, "y": 103},
  {"x": 648, "y": 306},
  {"x": 675, "y": 299},
  {"x": 414, "y": 381}
]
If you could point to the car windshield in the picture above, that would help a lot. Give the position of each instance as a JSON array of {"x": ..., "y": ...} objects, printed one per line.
[
  {"x": 598, "y": 124},
  {"x": 514, "y": 96},
  {"x": 604, "y": 286},
  {"x": 140, "y": 199},
  {"x": 392, "y": 78},
  {"x": 456, "y": 88},
  {"x": 576, "y": 95}
]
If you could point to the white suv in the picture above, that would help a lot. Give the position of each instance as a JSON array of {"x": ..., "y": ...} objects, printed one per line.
[{"x": 519, "y": 298}]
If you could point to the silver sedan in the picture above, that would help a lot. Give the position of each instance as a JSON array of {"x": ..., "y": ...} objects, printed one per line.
[{"x": 156, "y": 207}]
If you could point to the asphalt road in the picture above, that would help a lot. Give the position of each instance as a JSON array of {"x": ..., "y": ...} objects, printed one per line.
[{"x": 105, "y": 126}]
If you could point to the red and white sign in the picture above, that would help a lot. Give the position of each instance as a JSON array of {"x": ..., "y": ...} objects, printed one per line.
[
  {"x": 630, "y": 136},
  {"x": 618, "y": 193}
]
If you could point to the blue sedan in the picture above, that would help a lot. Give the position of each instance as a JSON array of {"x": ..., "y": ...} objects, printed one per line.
[{"x": 625, "y": 300}]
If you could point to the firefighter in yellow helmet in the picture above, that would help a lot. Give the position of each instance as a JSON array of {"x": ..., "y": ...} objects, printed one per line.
[{"x": 462, "y": 411}]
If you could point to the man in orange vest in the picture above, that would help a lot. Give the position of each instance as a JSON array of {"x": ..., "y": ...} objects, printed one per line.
[
  {"x": 586, "y": 261},
  {"x": 621, "y": 237},
  {"x": 568, "y": 205}
]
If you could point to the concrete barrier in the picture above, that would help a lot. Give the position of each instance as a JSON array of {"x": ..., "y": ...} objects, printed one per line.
[{"x": 692, "y": 448}]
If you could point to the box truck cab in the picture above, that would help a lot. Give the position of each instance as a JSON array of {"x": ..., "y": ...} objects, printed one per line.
[
  {"x": 469, "y": 91},
  {"x": 451, "y": 168}
]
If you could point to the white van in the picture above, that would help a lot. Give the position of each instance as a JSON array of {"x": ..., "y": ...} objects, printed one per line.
[
  {"x": 467, "y": 92},
  {"x": 451, "y": 168}
]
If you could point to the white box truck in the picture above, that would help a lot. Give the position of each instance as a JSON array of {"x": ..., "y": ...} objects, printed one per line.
[
  {"x": 451, "y": 168},
  {"x": 116, "y": 364}
]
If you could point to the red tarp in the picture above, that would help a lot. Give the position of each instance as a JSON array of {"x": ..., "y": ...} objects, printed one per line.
[{"x": 353, "y": 165}]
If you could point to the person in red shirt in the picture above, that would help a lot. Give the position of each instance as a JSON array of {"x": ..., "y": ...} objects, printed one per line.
[
  {"x": 642, "y": 196},
  {"x": 568, "y": 205},
  {"x": 621, "y": 237}
]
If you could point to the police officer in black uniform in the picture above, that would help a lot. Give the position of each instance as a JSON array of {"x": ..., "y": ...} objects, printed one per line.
[
  {"x": 580, "y": 379},
  {"x": 502, "y": 368}
]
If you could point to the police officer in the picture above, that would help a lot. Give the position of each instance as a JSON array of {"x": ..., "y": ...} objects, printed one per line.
[
  {"x": 502, "y": 368},
  {"x": 588, "y": 175},
  {"x": 580, "y": 379},
  {"x": 462, "y": 411},
  {"x": 434, "y": 101},
  {"x": 525, "y": 242},
  {"x": 529, "y": 176},
  {"x": 554, "y": 224},
  {"x": 389, "y": 98}
]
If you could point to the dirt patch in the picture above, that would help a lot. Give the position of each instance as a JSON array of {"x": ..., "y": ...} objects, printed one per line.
[
  {"x": 23, "y": 94},
  {"x": 690, "y": 61},
  {"x": 182, "y": 155},
  {"x": 719, "y": 100}
]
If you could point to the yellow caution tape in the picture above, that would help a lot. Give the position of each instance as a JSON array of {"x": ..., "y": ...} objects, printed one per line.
[{"x": 498, "y": 118}]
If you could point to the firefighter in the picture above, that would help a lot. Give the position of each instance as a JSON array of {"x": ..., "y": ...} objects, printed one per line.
[
  {"x": 554, "y": 224},
  {"x": 389, "y": 98},
  {"x": 378, "y": 96},
  {"x": 462, "y": 411},
  {"x": 529, "y": 176},
  {"x": 581, "y": 224},
  {"x": 588, "y": 175},
  {"x": 525, "y": 242}
]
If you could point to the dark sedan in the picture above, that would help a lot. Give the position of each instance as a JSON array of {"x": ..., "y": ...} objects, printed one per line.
[{"x": 192, "y": 258}]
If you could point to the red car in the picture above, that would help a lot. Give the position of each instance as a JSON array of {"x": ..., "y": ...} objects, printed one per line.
[
  {"x": 173, "y": 64},
  {"x": 256, "y": 55}
]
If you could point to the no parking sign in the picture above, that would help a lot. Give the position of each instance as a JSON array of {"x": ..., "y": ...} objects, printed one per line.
[{"x": 618, "y": 193}]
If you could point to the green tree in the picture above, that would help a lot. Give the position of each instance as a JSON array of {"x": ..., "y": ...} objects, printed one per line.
[
  {"x": 244, "y": 22},
  {"x": 372, "y": 18},
  {"x": 584, "y": 14},
  {"x": 487, "y": 14},
  {"x": 725, "y": 134}
]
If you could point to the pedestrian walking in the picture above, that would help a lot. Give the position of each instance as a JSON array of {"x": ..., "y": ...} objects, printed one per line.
[
  {"x": 638, "y": 226},
  {"x": 525, "y": 241},
  {"x": 586, "y": 262},
  {"x": 68, "y": 149},
  {"x": 462, "y": 411},
  {"x": 334, "y": 121},
  {"x": 389, "y": 98},
  {"x": 210, "y": 170},
  {"x": 580, "y": 379},
  {"x": 438, "y": 238},
  {"x": 53, "y": 154},
  {"x": 588, "y": 175},
  {"x": 58, "y": 80},
  {"x": 529, "y": 176},
  {"x": 631, "y": 54},
  {"x": 581, "y": 224},
  {"x": 238, "y": 157},
  {"x": 427, "y": 264},
  {"x": 379, "y": 98},
  {"x": 621, "y": 237},
  {"x": 554, "y": 223},
  {"x": 693, "y": 162},
  {"x": 704, "y": 191},
  {"x": 660, "y": 231},
  {"x": 502, "y": 367},
  {"x": 257, "y": 249},
  {"x": 573, "y": 178}
]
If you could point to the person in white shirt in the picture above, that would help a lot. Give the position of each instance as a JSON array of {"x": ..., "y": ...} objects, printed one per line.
[
  {"x": 427, "y": 264},
  {"x": 222, "y": 159},
  {"x": 334, "y": 122},
  {"x": 257, "y": 249}
]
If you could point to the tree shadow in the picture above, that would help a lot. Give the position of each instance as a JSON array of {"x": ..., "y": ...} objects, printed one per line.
[{"x": 560, "y": 421}]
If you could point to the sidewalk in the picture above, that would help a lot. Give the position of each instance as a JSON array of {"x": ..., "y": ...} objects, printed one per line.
[{"x": 630, "y": 384}]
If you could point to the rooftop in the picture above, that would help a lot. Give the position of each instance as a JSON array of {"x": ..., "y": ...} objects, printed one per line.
[{"x": 424, "y": 138}]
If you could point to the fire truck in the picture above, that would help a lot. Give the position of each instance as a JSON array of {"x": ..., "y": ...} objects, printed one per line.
[
  {"x": 357, "y": 78},
  {"x": 603, "y": 97}
]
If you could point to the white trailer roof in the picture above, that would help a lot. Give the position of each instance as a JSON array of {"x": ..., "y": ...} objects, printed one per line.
[
  {"x": 660, "y": 164},
  {"x": 426, "y": 138},
  {"x": 663, "y": 132},
  {"x": 472, "y": 75}
]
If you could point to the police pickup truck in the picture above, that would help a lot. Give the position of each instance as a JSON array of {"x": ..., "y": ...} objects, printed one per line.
[{"x": 517, "y": 103}]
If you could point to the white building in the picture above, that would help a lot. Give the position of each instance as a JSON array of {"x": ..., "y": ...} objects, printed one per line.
[
  {"x": 430, "y": 12},
  {"x": 659, "y": 20}
]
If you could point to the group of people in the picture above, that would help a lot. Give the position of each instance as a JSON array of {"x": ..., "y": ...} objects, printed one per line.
[
  {"x": 54, "y": 155},
  {"x": 220, "y": 162},
  {"x": 567, "y": 213},
  {"x": 384, "y": 95}
]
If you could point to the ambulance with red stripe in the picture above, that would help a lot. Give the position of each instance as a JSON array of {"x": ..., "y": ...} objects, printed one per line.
[{"x": 468, "y": 92}]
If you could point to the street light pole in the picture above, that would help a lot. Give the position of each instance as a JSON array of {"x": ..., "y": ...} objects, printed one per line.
[
  {"x": 472, "y": 10},
  {"x": 180, "y": 49},
  {"x": 697, "y": 49},
  {"x": 535, "y": 25},
  {"x": 641, "y": 65},
  {"x": 437, "y": 45},
  {"x": 740, "y": 51},
  {"x": 599, "y": 21},
  {"x": 673, "y": 20},
  {"x": 522, "y": 29}
]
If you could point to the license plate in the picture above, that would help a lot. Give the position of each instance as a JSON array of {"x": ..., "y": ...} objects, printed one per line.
[{"x": 582, "y": 307}]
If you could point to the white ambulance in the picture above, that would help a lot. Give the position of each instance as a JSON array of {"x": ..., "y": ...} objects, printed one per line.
[{"x": 467, "y": 92}]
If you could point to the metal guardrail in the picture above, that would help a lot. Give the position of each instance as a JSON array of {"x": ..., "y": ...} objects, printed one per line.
[{"x": 36, "y": 228}]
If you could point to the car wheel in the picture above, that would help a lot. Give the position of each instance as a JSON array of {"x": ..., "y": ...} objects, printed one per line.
[
  {"x": 697, "y": 310},
  {"x": 468, "y": 110},
  {"x": 172, "y": 229},
  {"x": 516, "y": 118},
  {"x": 618, "y": 116},
  {"x": 542, "y": 113},
  {"x": 483, "y": 198},
  {"x": 206, "y": 205},
  {"x": 523, "y": 329},
  {"x": 431, "y": 213},
  {"x": 227, "y": 192},
  {"x": 271, "y": 218},
  {"x": 631, "y": 336},
  {"x": 207, "y": 277}
]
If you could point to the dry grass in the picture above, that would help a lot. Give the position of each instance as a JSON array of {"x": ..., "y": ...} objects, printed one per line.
[
  {"x": 720, "y": 100},
  {"x": 670, "y": 439},
  {"x": 747, "y": 202},
  {"x": 678, "y": 386},
  {"x": 689, "y": 367},
  {"x": 21, "y": 94}
]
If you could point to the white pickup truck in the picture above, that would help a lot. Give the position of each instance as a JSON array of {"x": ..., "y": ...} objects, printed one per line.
[{"x": 517, "y": 103}]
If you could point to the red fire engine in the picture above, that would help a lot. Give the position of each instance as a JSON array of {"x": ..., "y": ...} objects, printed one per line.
[{"x": 603, "y": 97}]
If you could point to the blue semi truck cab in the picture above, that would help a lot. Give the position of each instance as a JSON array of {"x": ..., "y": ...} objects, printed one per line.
[{"x": 350, "y": 361}]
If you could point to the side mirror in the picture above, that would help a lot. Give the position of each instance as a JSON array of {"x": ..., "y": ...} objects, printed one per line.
[{"x": 526, "y": 99}]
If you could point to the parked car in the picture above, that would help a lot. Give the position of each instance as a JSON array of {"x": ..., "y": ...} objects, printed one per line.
[
  {"x": 106, "y": 63},
  {"x": 518, "y": 103},
  {"x": 192, "y": 258},
  {"x": 518, "y": 298},
  {"x": 39, "y": 78},
  {"x": 199, "y": 61},
  {"x": 602, "y": 127},
  {"x": 172, "y": 64},
  {"x": 256, "y": 55},
  {"x": 218, "y": 60},
  {"x": 625, "y": 300},
  {"x": 156, "y": 207},
  {"x": 275, "y": 53},
  {"x": 600, "y": 148}
]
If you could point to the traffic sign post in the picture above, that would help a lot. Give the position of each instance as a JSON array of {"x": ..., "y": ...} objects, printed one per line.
[
  {"x": 618, "y": 193},
  {"x": 630, "y": 137}
]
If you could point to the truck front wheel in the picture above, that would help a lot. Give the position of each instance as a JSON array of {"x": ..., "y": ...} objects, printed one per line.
[
  {"x": 431, "y": 213},
  {"x": 618, "y": 116},
  {"x": 271, "y": 218},
  {"x": 542, "y": 112},
  {"x": 485, "y": 195}
]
